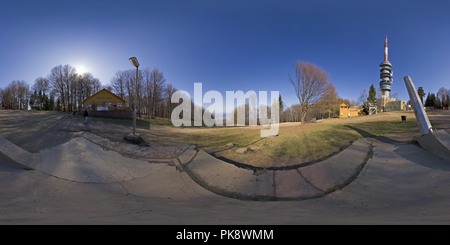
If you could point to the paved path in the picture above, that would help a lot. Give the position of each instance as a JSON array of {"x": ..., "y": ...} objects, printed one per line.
[
  {"x": 83, "y": 178},
  {"x": 399, "y": 183},
  {"x": 303, "y": 182}
]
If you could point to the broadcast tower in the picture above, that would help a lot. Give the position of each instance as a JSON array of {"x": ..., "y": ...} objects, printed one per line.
[{"x": 385, "y": 76}]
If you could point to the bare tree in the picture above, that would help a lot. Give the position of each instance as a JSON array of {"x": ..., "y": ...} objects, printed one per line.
[
  {"x": 57, "y": 82},
  {"x": 169, "y": 91},
  {"x": 129, "y": 77},
  {"x": 63, "y": 79},
  {"x": 23, "y": 94},
  {"x": 9, "y": 100},
  {"x": 41, "y": 88},
  {"x": 69, "y": 76},
  {"x": 447, "y": 104},
  {"x": 310, "y": 83},
  {"x": 157, "y": 79},
  {"x": 147, "y": 91},
  {"x": 328, "y": 104},
  {"x": 394, "y": 95},
  {"x": 41, "y": 84},
  {"x": 362, "y": 97},
  {"x": 118, "y": 84},
  {"x": 16, "y": 95},
  {"x": 296, "y": 113},
  {"x": 84, "y": 86},
  {"x": 153, "y": 96},
  {"x": 287, "y": 115},
  {"x": 442, "y": 96},
  {"x": 353, "y": 103},
  {"x": 70, "y": 88},
  {"x": 124, "y": 85},
  {"x": 2, "y": 92}
]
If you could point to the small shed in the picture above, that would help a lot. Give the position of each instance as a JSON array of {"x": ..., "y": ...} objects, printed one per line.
[
  {"x": 345, "y": 111},
  {"x": 104, "y": 100}
]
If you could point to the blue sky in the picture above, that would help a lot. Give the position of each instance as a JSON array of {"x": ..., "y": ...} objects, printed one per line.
[{"x": 230, "y": 45}]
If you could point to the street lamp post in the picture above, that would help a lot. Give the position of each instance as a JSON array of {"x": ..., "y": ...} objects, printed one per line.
[{"x": 135, "y": 63}]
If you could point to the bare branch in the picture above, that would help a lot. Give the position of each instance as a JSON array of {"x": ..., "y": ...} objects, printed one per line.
[{"x": 310, "y": 84}]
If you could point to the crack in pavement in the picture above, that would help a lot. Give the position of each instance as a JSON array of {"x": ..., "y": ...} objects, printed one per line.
[{"x": 308, "y": 182}]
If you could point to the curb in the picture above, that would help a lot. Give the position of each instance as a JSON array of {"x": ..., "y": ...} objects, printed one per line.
[{"x": 305, "y": 182}]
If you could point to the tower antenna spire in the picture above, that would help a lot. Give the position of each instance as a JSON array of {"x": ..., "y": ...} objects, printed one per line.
[{"x": 386, "y": 58}]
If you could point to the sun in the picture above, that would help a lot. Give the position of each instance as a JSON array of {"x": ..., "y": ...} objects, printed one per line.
[{"x": 81, "y": 69}]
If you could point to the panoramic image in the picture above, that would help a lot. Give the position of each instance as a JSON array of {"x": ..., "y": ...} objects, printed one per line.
[{"x": 224, "y": 113}]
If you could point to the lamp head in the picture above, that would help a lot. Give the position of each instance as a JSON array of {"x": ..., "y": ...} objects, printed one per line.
[{"x": 134, "y": 62}]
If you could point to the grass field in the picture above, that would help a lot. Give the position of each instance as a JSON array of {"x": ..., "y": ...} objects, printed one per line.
[{"x": 295, "y": 144}]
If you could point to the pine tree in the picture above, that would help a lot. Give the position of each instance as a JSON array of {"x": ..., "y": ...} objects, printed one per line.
[
  {"x": 46, "y": 102},
  {"x": 52, "y": 102},
  {"x": 372, "y": 95},
  {"x": 421, "y": 93},
  {"x": 431, "y": 100}
]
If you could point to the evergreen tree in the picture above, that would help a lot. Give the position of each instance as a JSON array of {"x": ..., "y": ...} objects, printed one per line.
[
  {"x": 33, "y": 98},
  {"x": 46, "y": 102},
  {"x": 52, "y": 102},
  {"x": 431, "y": 100},
  {"x": 436, "y": 101},
  {"x": 372, "y": 95},
  {"x": 428, "y": 100},
  {"x": 371, "y": 99},
  {"x": 421, "y": 93}
]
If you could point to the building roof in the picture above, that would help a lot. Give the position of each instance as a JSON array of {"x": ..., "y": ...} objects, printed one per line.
[{"x": 103, "y": 96}]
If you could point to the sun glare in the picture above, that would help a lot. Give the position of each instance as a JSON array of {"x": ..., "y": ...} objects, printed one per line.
[{"x": 81, "y": 69}]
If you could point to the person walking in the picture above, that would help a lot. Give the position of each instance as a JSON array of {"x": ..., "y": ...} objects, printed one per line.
[{"x": 85, "y": 115}]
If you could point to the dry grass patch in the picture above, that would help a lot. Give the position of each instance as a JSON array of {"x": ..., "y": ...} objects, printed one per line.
[{"x": 295, "y": 144}]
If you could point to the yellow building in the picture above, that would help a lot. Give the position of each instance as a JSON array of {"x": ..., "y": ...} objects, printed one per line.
[
  {"x": 104, "y": 100},
  {"x": 345, "y": 111}
]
